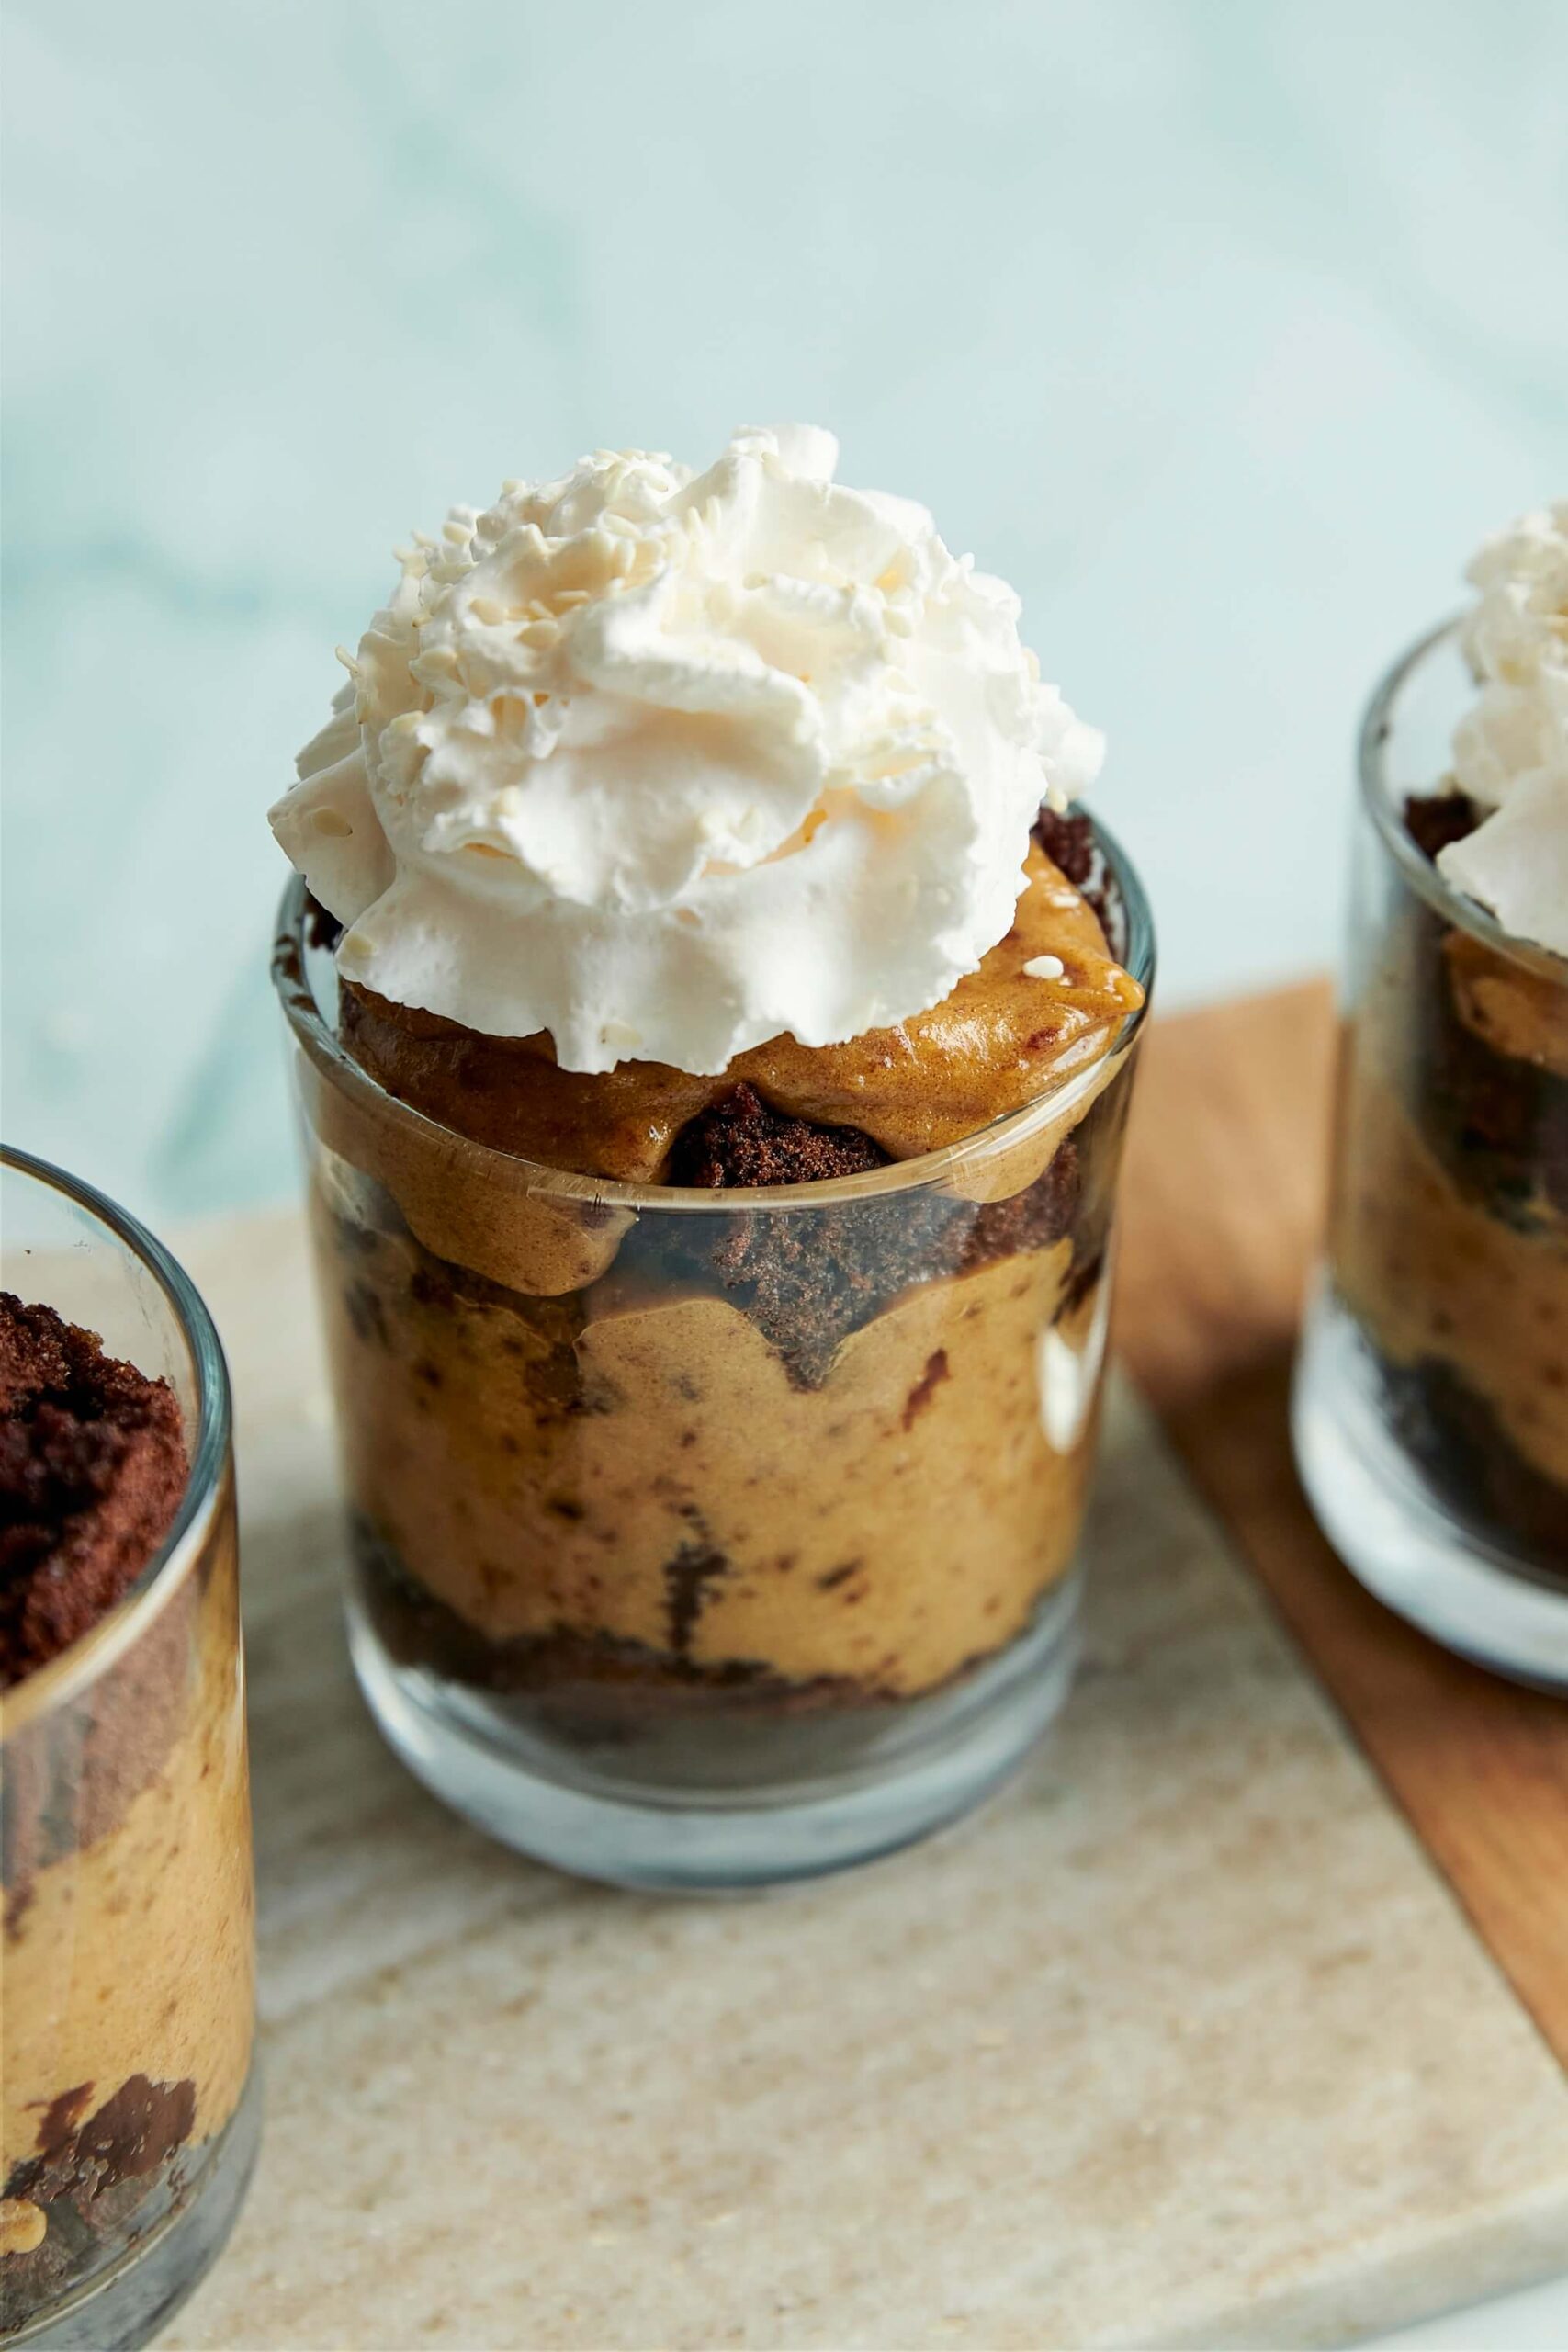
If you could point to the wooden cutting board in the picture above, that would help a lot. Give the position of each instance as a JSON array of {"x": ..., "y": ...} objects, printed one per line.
[{"x": 1224, "y": 1205}]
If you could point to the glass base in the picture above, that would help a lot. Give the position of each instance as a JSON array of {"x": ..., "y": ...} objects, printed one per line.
[
  {"x": 126, "y": 2305},
  {"x": 1474, "y": 1595},
  {"x": 930, "y": 1762}
]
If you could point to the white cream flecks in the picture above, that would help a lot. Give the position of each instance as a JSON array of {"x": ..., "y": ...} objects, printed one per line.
[
  {"x": 669, "y": 765},
  {"x": 1511, "y": 753}
]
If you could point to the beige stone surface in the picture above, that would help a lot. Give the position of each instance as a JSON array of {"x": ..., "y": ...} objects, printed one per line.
[{"x": 1180, "y": 2042}]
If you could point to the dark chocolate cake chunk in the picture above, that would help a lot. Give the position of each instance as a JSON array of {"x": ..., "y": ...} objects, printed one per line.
[
  {"x": 741, "y": 1140},
  {"x": 92, "y": 1469},
  {"x": 1434, "y": 820},
  {"x": 810, "y": 1276},
  {"x": 94, "y": 2179},
  {"x": 1067, "y": 838},
  {"x": 1461, "y": 1446}
]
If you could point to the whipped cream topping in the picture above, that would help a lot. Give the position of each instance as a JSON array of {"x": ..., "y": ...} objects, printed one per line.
[
  {"x": 670, "y": 765},
  {"x": 1510, "y": 754}
]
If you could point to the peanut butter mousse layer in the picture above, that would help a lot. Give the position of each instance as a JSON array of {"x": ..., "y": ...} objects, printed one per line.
[
  {"x": 1452, "y": 1239},
  {"x": 126, "y": 2024},
  {"x": 1003, "y": 1036},
  {"x": 785, "y": 1458}
]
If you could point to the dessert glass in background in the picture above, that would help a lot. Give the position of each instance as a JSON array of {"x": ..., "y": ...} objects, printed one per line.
[
  {"x": 130, "y": 2112},
  {"x": 1431, "y": 1397},
  {"x": 717, "y": 1408}
]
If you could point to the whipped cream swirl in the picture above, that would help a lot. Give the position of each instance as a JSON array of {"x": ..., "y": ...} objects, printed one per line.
[
  {"x": 1510, "y": 754},
  {"x": 669, "y": 766}
]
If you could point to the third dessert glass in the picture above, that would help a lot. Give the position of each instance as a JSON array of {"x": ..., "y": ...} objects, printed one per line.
[
  {"x": 716, "y": 1444},
  {"x": 1431, "y": 1405},
  {"x": 129, "y": 2115}
]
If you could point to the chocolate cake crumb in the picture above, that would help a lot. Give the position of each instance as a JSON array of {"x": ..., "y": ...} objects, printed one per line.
[
  {"x": 808, "y": 1277},
  {"x": 1434, "y": 820},
  {"x": 808, "y": 1280},
  {"x": 1464, "y": 1450},
  {"x": 62, "y": 2116},
  {"x": 93, "y": 2182},
  {"x": 91, "y": 1468},
  {"x": 1067, "y": 838},
  {"x": 740, "y": 1139},
  {"x": 1031, "y": 1219},
  {"x": 606, "y": 1693},
  {"x": 137, "y": 2130}
]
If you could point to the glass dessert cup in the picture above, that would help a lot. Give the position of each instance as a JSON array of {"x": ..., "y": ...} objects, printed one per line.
[
  {"x": 1431, "y": 1397},
  {"x": 706, "y": 1539},
  {"x": 130, "y": 2112}
]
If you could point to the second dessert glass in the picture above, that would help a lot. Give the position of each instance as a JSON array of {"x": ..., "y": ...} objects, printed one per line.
[
  {"x": 1431, "y": 1397},
  {"x": 130, "y": 2112},
  {"x": 708, "y": 1539}
]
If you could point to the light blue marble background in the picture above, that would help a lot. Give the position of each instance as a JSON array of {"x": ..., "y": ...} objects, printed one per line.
[{"x": 1224, "y": 328}]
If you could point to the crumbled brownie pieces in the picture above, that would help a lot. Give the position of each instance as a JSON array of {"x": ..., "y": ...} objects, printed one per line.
[
  {"x": 1432, "y": 819},
  {"x": 1453, "y": 1432},
  {"x": 810, "y": 1276},
  {"x": 91, "y": 1468},
  {"x": 742, "y": 1140},
  {"x": 806, "y": 1277},
  {"x": 90, "y": 2179},
  {"x": 603, "y": 1692},
  {"x": 1067, "y": 838},
  {"x": 1031, "y": 1219}
]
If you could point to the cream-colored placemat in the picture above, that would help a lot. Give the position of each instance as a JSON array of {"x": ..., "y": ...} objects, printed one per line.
[{"x": 1181, "y": 2042}]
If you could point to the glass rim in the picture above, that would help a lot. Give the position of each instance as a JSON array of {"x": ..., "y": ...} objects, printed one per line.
[
  {"x": 930, "y": 1167},
  {"x": 61, "y": 1678},
  {"x": 1377, "y": 728}
]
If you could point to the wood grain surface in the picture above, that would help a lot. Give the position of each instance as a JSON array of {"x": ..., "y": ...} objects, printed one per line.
[{"x": 1223, "y": 1206}]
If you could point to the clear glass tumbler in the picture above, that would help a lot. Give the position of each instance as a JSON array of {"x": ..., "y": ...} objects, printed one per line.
[
  {"x": 1431, "y": 1395},
  {"x": 128, "y": 2112},
  {"x": 707, "y": 1539}
]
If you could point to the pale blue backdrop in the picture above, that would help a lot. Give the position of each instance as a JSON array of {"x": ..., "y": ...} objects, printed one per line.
[{"x": 1224, "y": 328}]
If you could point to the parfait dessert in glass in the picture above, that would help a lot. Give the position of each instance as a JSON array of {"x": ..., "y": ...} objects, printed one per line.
[
  {"x": 1431, "y": 1408},
  {"x": 712, "y": 1029},
  {"x": 129, "y": 2115}
]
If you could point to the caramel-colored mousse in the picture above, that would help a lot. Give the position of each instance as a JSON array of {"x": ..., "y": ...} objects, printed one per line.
[
  {"x": 126, "y": 2026},
  {"x": 998, "y": 1040},
  {"x": 843, "y": 1447}
]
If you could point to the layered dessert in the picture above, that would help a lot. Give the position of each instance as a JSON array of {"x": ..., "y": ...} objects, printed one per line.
[
  {"x": 713, "y": 1182},
  {"x": 125, "y": 1948},
  {"x": 1450, "y": 1224}
]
